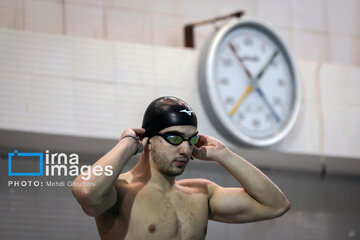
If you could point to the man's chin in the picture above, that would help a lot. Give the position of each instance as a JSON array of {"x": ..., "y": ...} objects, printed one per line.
[{"x": 176, "y": 172}]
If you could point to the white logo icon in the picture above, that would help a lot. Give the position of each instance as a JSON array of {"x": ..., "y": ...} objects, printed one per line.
[{"x": 186, "y": 111}]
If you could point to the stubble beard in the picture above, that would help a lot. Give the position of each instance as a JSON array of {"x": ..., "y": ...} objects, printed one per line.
[{"x": 168, "y": 167}]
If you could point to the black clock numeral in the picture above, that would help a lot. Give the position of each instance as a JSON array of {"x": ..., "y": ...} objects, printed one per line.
[
  {"x": 248, "y": 41},
  {"x": 241, "y": 116},
  {"x": 229, "y": 100},
  {"x": 227, "y": 62},
  {"x": 281, "y": 82},
  {"x": 277, "y": 101},
  {"x": 256, "y": 123},
  {"x": 263, "y": 48},
  {"x": 224, "y": 81}
]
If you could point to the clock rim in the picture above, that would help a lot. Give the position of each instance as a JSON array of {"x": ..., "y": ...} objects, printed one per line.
[{"x": 208, "y": 91}]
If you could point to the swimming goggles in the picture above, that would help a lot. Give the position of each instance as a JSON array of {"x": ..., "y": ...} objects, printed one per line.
[{"x": 176, "y": 139}]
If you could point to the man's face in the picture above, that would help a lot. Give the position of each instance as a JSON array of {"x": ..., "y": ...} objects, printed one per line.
[{"x": 172, "y": 159}]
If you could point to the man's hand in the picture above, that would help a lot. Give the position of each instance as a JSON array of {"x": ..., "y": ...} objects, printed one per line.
[
  {"x": 208, "y": 148},
  {"x": 140, "y": 144}
]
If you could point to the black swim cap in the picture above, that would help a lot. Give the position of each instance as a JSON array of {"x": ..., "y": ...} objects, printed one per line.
[{"x": 165, "y": 112}]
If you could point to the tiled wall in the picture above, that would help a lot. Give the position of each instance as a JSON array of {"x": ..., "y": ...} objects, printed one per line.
[
  {"x": 315, "y": 30},
  {"x": 53, "y": 84}
]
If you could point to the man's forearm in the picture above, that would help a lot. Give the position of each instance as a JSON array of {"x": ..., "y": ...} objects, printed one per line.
[
  {"x": 255, "y": 183},
  {"x": 117, "y": 157}
]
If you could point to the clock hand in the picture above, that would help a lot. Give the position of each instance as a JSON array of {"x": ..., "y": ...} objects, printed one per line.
[
  {"x": 250, "y": 77},
  {"x": 259, "y": 75},
  {"x": 241, "y": 99},
  {"x": 262, "y": 95},
  {"x": 233, "y": 50},
  {"x": 258, "y": 89}
]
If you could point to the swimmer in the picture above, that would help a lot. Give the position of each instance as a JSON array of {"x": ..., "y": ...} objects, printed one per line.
[{"x": 148, "y": 203}]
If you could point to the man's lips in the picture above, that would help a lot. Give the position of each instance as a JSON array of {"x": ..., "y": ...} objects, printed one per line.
[{"x": 181, "y": 162}]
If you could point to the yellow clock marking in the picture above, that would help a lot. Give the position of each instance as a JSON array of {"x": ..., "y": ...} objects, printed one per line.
[{"x": 241, "y": 99}]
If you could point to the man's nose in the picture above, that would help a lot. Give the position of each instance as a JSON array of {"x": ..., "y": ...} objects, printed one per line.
[{"x": 185, "y": 148}]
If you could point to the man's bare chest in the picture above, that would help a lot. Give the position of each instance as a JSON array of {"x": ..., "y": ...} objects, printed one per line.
[{"x": 178, "y": 215}]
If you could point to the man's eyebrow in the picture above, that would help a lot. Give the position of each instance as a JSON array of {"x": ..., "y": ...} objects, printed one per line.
[
  {"x": 180, "y": 133},
  {"x": 195, "y": 133}
]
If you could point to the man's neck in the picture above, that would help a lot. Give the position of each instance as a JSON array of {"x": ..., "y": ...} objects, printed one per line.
[
  {"x": 154, "y": 177},
  {"x": 160, "y": 180}
]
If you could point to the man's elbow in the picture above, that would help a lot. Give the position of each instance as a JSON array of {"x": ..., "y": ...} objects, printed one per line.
[
  {"x": 84, "y": 197},
  {"x": 80, "y": 193},
  {"x": 283, "y": 209}
]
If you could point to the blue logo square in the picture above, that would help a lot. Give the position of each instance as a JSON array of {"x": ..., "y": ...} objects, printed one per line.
[{"x": 15, "y": 153}]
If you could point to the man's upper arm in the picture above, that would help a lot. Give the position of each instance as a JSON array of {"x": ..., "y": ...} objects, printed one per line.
[
  {"x": 95, "y": 206},
  {"x": 235, "y": 205}
]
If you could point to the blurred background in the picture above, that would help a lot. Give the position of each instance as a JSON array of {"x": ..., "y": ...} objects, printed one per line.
[{"x": 75, "y": 74}]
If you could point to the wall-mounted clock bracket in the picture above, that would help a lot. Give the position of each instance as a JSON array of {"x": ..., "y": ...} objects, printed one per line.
[{"x": 189, "y": 28}]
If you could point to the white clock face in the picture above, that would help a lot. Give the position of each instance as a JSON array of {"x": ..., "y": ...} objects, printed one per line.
[{"x": 252, "y": 84}]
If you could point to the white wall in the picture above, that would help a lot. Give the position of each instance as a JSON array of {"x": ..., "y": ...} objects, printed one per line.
[
  {"x": 93, "y": 88},
  {"x": 315, "y": 30}
]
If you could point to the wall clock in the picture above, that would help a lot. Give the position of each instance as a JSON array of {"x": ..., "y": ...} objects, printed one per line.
[{"x": 248, "y": 83}]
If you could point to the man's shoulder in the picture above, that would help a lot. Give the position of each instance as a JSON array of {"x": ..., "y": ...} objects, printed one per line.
[
  {"x": 128, "y": 180},
  {"x": 125, "y": 177},
  {"x": 204, "y": 185},
  {"x": 124, "y": 181}
]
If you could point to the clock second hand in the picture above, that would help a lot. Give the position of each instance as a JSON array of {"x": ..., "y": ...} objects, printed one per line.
[{"x": 262, "y": 95}]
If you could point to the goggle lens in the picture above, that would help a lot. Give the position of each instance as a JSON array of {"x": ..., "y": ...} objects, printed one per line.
[
  {"x": 173, "y": 139},
  {"x": 194, "y": 140}
]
